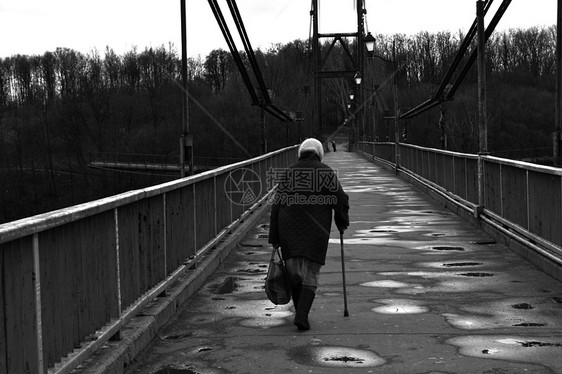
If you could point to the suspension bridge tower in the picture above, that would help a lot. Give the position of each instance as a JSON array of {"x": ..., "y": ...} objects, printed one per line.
[{"x": 322, "y": 71}]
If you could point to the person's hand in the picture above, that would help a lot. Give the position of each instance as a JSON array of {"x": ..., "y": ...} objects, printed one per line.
[
  {"x": 342, "y": 229},
  {"x": 275, "y": 245}
]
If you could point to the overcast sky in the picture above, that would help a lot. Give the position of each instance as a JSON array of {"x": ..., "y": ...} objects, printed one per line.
[{"x": 36, "y": 26}]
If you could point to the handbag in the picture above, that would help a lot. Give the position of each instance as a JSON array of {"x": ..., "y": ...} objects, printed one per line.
[{"x": 277, "y": 283}]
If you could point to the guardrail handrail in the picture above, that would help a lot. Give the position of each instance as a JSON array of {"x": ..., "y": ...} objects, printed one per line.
[
  {"x": 74, "y": 276},
  {"x": 40, "y": 222},
  {"x": 520, "y": 199}
]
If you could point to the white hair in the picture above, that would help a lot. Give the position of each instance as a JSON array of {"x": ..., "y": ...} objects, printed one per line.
[{"x": 311, "y": 145}]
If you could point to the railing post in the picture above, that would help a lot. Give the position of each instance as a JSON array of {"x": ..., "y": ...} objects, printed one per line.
[
  {"x": 118, "y": 270},
  {"x": 528, "y": 207},
  {"x": 557, "y": 138},
  {"x": 194, "y": 222},
  {"x": 396, "y": 141},
  {"x": 165, "y": 236},
  {"x": 215, "y": 204},
  {"x": 482, "y": 120},
  {"x": 38, "y": 306},
  {"x": 501, "y": 191}
]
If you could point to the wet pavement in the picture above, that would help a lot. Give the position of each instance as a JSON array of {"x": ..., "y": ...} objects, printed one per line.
[{"x": 427, "y": 293}]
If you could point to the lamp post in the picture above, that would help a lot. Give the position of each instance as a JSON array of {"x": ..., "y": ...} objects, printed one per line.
[
  {"x": 351, "y": 123},
  {"x": 373, "y": 98},
  {"x": 369, "y": 42},
  {"x": 370, "y": 45},
  {"x": 358, "y": 78}
]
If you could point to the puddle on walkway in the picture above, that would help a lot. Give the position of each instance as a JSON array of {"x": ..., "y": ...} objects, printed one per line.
[
  {"x": 476, "y": 274},
  {"x": 253, "y": 268},
  {"x": 355, "y": 188},
  {"x": 424, "y": 212},
  {"x": 534, "y": 312},
  {"x": 365, "y": 241},
  {"x": 413, "y": 221},
  {"x": 390, "y": 229},
  {"x": 400, "y": 306},
  {"x": 236, "y": 285},
  {"x": 227, "y": 286},
  {"x": 539, "y": 350},
  {"x": 175, "y": 371},
  {"x": 188, "y": 369},
  {"x": 335, "y": 357},
  {"x": 249, "y": 245},
  {"x": 374, "y": 233},
  {"x": 224, "y": 293},
  {"x": 178, "y": 336},
  {"x": 428, "y": 274},
  {"x": 440, "y": 249},
  {"x": 437, "y": 234},
  {"x": 448, "y": 281},
  {"x": 447, "y": 248},
  {"x": 451, "y": 264},
  {"x": 387, "y": 284},
  {"x": 255, "y": 313}
]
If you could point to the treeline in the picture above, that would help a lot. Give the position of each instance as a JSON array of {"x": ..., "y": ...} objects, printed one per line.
[
  {"x": 520, "y": 71},
  {"x": 59, "y": 108}
]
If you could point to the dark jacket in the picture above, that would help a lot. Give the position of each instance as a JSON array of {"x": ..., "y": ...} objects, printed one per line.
[{"x": 301, "y": 214}]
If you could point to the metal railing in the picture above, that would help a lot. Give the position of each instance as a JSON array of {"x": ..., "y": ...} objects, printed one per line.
[
  {"x": 520, "y": 199},
  {"x": 151, "y": 162},
  {"x": 71, "y": 279}
]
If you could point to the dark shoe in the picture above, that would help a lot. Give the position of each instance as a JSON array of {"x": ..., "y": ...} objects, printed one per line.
[{"x": 303, "y": 308}]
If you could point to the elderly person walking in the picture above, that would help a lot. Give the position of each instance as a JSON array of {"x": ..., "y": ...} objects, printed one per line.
[{"x": 301, "y": 220}]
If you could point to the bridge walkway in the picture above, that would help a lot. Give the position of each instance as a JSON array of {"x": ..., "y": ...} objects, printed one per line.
[{"x": 427, "y": 293}]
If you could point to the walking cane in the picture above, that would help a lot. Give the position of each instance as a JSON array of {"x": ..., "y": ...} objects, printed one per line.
[{"x": 345, "y": 312}]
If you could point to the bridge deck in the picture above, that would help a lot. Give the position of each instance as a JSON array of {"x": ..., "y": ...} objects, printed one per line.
[{"x": 427, "y": 292}]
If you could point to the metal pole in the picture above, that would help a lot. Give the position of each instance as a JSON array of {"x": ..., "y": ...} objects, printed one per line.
[
  {"x": 396, "y": 141},
  {"x": 360, "y": 65},
  {"x": 345, "y": 311},
  {"x": 374, "y": 109},
  {"x": 186, "y": 142},
  {"x": 396, "y": 111},
  {"x": 263, "y": 143},
  {"x": 317, "y": 67},
  {"x": 442, "y": 127},
  {"x": 482, "y": 122},
  {"x": 350, "y": 126},
  {"x": 557, "y": 157}
]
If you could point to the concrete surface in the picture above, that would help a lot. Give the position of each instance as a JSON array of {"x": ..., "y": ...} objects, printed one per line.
[{"x": 427, "y": 293}]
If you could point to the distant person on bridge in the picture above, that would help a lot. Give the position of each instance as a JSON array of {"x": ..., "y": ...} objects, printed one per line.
[
  {"x": 301, "y": 220},
  {"x": 334, "y": 146}
]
